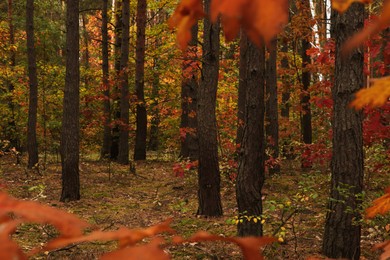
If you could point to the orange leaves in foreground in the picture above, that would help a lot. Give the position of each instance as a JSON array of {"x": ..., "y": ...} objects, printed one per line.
[
  {"x": 184, "y": 17},
  {"x": 261, "y": 19},
  {"x": 381, "y": 205},
  {"x": 375, "y": 96},
  {"x": 72, "y": 232}
]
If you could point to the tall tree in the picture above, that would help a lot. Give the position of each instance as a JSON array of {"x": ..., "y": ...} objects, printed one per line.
[
  {"x": 209, "y": 196},
  {"x": 272, "y": 124},
  {"x": 306, "y": 32},
  {"x": 141, "y": 117},
  {"x": 105, "y": 151},
  {"x": 123, "y": 155},
  {"x": 189, "y": 90},
  {"x": 32, "y": 145},
  {"x": 114, "y": 149},
  {"x": 250, "y": 178},
  {"x": 70, "y": 120},
  {"x": 342, "y": 228},
  {"x": 242, "y": 81}
]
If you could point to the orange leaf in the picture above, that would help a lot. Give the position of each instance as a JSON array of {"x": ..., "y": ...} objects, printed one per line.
[
  {"x": 379, "y": 24},
  {"x": 380, "y": 206},
  {"x": 375, "y": 96},
  {"x": 342, "y": 5},
  {"x": 8, "y": 248},
  {"x": 69, "y": 225},
  {"x": 249, "y": 245},
  {"x": 386, "y": 249},
  {"x": 125, "y": 236},
  {"x": 151, "y": 250},
  {"x": 184, "y": 17}
]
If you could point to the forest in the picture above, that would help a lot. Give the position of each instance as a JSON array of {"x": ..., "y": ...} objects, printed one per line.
[{"x": 195, "y": 129}]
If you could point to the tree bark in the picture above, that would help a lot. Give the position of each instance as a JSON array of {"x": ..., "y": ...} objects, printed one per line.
[
  {"x": 242, "y": 86},
  {"x": 123, "y": 155},
  {"x": 32, "y": 145},
  {"x": 141, "y": 116},
  {"x": 209, "y": 196},
  {"x": 70, "y": 120},
  {"x": 105, "y": 151},
  {"x": 342, "y": 228},
  {"x": 250, "y": 178},
  {"x": 272, "y": 124},
  {"x": 189, "y": 88}
]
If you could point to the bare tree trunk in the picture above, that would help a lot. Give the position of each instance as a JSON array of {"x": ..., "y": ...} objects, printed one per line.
[
  {"x": 209, "y": 196},
  {"x": 242, "y": 86},
  {"x": 189, "y": 90},
  {"x": 342, "y": 227},
  {"x": 105, "y": 151},
  {"x": 250, "y": 178},
  {"x": 123, "y": 155},
  {"x": 70, "y": 121},
  {"x": 32, "y": 145},
  {"x": 141, "y": 116},
  {"x": 272, "y": 124}
]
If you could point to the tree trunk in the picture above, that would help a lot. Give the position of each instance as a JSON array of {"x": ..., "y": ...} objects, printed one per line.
[
  {"x": 70, "y": 120},
  {"x": 209, "y": 196},
  {"x": 272, "y": 124},
  {"x": 250, "y": 176},
  {"x": 189, "y": 88},
  {"x": 114, "y": 149},
  {"x": 342, "y": 228},
  {"x": 106, "y": 86},
  {"x": 242, "y": 86},
  {"x": 141, "y": 131},
  {"x": 154, "y": 110},
  {"x": 123, "y": 155},
  {"x": 32, "y": 145}
]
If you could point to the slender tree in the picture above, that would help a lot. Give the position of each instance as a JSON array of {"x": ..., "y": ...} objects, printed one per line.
[
  {"x": 342, "y": 227},
  {"x": 242, "y": 86},
  {"x": 32, "y": 145},
  {"x": 189, "y": 90},
  {"x": 141, "y": 116},
  {"x": 250, "y": 178},
  {"x": 70, "y": 119},
  {"x": 123, "y": 155},
  {"x": 209, "y": 196},
  {"x": 105, "y": 151},
  {"x": 272, "y": 124}
]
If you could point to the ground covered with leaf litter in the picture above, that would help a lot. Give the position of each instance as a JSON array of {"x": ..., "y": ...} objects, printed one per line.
[{"x": 111, "y": 197}]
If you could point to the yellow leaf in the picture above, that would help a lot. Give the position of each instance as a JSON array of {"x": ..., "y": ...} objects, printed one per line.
[
  {"x": 342, "y": 5},
  {"x": 280, "y": 239},
  {"x": 381, "y": 205},
  {"x": 375, "y": 96},
  {"x": 255, "y": 220}
]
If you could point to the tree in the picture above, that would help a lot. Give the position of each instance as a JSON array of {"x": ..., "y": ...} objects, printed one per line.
[
  {"x": 70, "y": 119},
  {"x": 32, "y": 145},
  {"x": 342, "y": 228},
  {"x": 189, "y": 90},
  {"x": 123, "y": 155},
  {"x": 250, "y": 177},
  {"x": 271, "y": 107},
  {"x": 141, "y": 116},
  {"x": 209, "y": 197},
  {"x": 242, "y": 81},
  {"x": 105, "y": 151}
]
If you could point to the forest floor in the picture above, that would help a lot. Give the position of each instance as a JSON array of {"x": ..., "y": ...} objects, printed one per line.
[{"x": 111, "y": 196}]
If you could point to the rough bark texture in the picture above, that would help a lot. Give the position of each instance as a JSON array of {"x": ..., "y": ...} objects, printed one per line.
[
  {"x": 242, "y": 86},
  {"x": 114, "y": 149},
  {"x": 32, "y": 145},
  {"x": 250, "y": 176},
  {"x": 189, "y": 90},
  {"x": 209, "y": 196},
  {"x": 154, "y": 142},
  {"x": 141, "y": 117},
  {"x": 342, "y": 230},
  {"x": 123, "y": 155},
  {"x": 272, "y": 124},
  {"x": 306, "y": 127},
  {"x": 70, "y": 120},
  {"x": 106, "y": 87}
]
